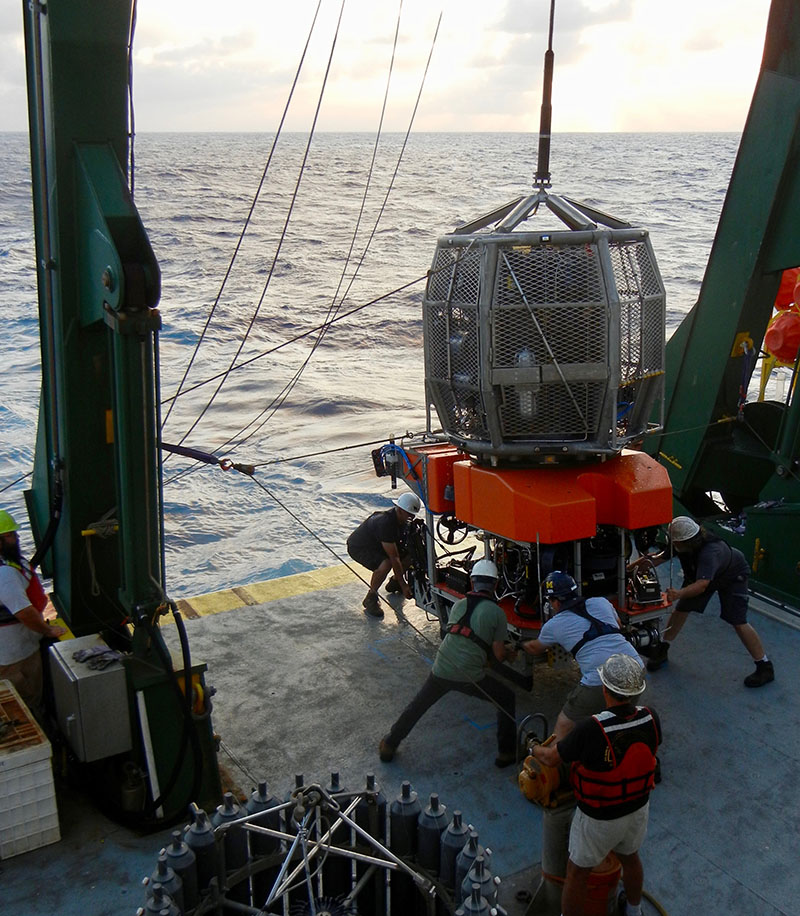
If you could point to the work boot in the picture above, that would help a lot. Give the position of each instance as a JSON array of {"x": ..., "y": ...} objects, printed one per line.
[
  {"x": 372, "y": 605},
  {"x": 393, "y": 586},
  {"x": 763, "y": 674},
  {"x": 658, "y": 658},
  {"x": 505, "y": 759},
  {"x": 386, "y": 751}
]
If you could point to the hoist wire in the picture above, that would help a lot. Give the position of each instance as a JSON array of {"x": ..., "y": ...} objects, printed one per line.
[
  {"x": 285, "y": 229},
  {"x": 249, "y": 217},
  {"x": 277, "y": 402},
  {"x": 13, "y": 483},
  {"x": 131, "y": 110}
]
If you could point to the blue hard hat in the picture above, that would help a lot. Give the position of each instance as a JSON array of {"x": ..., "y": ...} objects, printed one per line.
[{"x": 559, "y": 585}]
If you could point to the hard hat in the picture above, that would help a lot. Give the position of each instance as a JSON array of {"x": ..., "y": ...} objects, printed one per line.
[
  {"x": 484, "y": 569},
  {"x": 559, "y": 585},
  {"x": 683, "y": 528},
  {"x": 622, "y": 674},
  {"x": 7, "y": 523},
  {"x": 408, "y": 502}
]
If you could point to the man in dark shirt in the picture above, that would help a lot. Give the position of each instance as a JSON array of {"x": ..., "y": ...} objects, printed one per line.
[
  {"x": 613, "y": 757},
  {"x": 710, "y": 566},
  {"x": 375, "y": 544}
]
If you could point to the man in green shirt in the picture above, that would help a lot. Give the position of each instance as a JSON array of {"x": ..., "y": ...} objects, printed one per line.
[{"x": 476, "y": 633}]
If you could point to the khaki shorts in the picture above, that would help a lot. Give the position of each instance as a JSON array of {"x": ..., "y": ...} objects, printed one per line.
[
  {"x": 591, "y": 840},
  {"x": 584, "y": 702}
]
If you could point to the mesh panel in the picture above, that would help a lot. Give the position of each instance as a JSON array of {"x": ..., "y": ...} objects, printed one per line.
[
  {"x": 535, "y": 274},
  {"x": 459, "y": 267},
  {"x": 552, "y": 412}
]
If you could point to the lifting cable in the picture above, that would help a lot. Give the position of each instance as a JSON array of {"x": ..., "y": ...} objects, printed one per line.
[
  {"x": 249, "y": 216},
  {"x": 285, "y": 229}
]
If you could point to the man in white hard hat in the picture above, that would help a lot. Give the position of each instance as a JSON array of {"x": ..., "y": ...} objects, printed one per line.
[
  {"x": 22, "y": 625},
  {"x": 375, "y": 544},
  {"x": 710, "y": 566},
  {"x": 613, "y": 757},
  {"x": 476, "y": 633}
]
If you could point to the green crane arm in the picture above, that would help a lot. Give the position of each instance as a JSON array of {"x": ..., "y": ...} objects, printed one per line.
[{"x": 712, "y": 442}]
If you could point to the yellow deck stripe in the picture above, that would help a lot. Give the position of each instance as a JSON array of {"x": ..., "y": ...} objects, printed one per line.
[{"x": 263, "y": 592}]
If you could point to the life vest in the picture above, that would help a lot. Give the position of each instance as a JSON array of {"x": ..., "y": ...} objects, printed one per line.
[
  {"x": 596, "y": 627},
  {"x": 462, "y": 627},
  {"x": 631, "y": 749},
  {"x": 34, "y": 591}
]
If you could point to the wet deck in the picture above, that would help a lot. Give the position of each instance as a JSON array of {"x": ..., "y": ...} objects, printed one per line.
[{"x": 307, "y": 684}]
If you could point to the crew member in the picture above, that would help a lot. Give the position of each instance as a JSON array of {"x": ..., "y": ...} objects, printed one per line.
[
  {"x": 613, "y": 757},
  {"x": 589, "y": 629},
  {"x": 375, "y": 544},
  {"x": 710, "y": 566},
  {"x": 476, "y": 632},
  {"x": 22, "y": 601}
]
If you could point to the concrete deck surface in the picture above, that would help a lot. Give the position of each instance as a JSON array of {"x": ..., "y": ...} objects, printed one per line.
[{"x": 307, "y": 684}]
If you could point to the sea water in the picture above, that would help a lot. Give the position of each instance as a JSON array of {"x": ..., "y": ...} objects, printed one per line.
[{"x": 317, "y": 245}]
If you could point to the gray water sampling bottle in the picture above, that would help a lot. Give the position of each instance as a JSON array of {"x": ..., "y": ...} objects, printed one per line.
[
  {"x": 453, "y": 840},
  {"x": 404, "y": 815},
  {"x": 464, "y": 861},
  {"x": 199, "y": 837},
  {"x": 182, "y": 861},
  {"x": 168, "y": 879},
  {"x": 431, "y": 823},
  {"x": 260, "y": 844},
  {"x": 480, "y": 875},
  {"x": 159, "y": 904},
  {"x": 474, "y": 904},
  {"x": 370, "y": 815},
  {"x": 337, "y": 871},
  {"x": 234, "y": 845}
]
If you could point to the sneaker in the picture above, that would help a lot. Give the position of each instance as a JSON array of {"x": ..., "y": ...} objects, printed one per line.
[
  {"x": 386, "y": 751},
  {"x": 658, "y": 657},
  {"x": 763, "y": 674},
  {"x": 372, "y": 605},
  {"x": 393, "y": 586}
]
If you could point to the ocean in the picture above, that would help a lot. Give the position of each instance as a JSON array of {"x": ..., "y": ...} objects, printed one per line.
[{"x": 311, "y": 439}]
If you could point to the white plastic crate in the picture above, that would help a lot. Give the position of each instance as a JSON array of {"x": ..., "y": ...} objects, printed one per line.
[{"x": 28, "y": 813}]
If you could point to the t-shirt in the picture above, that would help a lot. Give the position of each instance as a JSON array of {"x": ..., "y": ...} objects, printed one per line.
[
  {"x": 587, "y": 744},
  {"x": 379, "y": 528},
  {"x": 461, "y": 659},
  {"x": 716, "y": 562},
  {"x": 566, "y": 629},
  {"x": 16, "y": 640}
]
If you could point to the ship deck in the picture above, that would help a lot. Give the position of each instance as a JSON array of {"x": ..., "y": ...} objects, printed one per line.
[{"x": 306, "y": 684}]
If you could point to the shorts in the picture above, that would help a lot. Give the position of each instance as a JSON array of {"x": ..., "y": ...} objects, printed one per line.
[
  {"x": 591, "y": 840},
  {"x": 733, "y": 600},
  {"x": 369, "y": 557},
  {"x": 584, "y": 701}
]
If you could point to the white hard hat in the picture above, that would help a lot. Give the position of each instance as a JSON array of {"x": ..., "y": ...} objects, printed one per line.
[
  {"x": 683, "y": 528},
  {"x": 622, "y": 674},
  {"x": 408, "y": 502},
  {"x": 484, "y": 569}
]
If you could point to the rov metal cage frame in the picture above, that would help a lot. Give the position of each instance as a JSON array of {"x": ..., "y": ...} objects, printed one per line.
[{"x": 545, "y": 343}]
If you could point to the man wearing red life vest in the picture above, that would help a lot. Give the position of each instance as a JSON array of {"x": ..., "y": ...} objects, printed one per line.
[
  {"x": 22, "y": 625},
  {"x": 613, "y": 757}
]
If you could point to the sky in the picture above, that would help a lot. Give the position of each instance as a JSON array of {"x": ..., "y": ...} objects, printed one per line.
[{"x": 620, "y": 65}]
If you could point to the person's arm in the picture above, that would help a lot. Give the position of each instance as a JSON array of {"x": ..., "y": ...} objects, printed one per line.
[
  {"x": 504, "y": 652},
  {"x": 688, "y": 591},
  {"x": 534, "y": 647},
  {"x": 391, "y": 551},
  {"x": 547, "y": 754},
  {"x": 33, "y": 620}
]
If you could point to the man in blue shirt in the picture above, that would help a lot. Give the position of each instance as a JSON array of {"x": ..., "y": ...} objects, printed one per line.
[{"x": 589, "y": 629}]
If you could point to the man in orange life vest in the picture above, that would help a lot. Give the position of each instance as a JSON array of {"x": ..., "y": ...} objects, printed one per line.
[
  {"x": 613, "y": 757},
  {"x": 22, "y": 601}
]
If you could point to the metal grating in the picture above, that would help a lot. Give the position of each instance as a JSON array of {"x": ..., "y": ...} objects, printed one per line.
[
  {"x": 552, "y": 413},
  {"x": 538, "y": 274},
  {"x": 455, "y": 275}
]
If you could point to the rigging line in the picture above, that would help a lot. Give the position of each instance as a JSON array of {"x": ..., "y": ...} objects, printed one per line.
[
  {"x": 283, "y": 232},
  {"x": 334, "y": 306},
  {"x": 249, "y": 216},
  {"x": 327, "y": 451},
  {"x": 358, "y": 575},
  {"x": 297, "y": 337},
  {"x": 131, "y": 112},
  {"x": 13, "y": 483}
]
